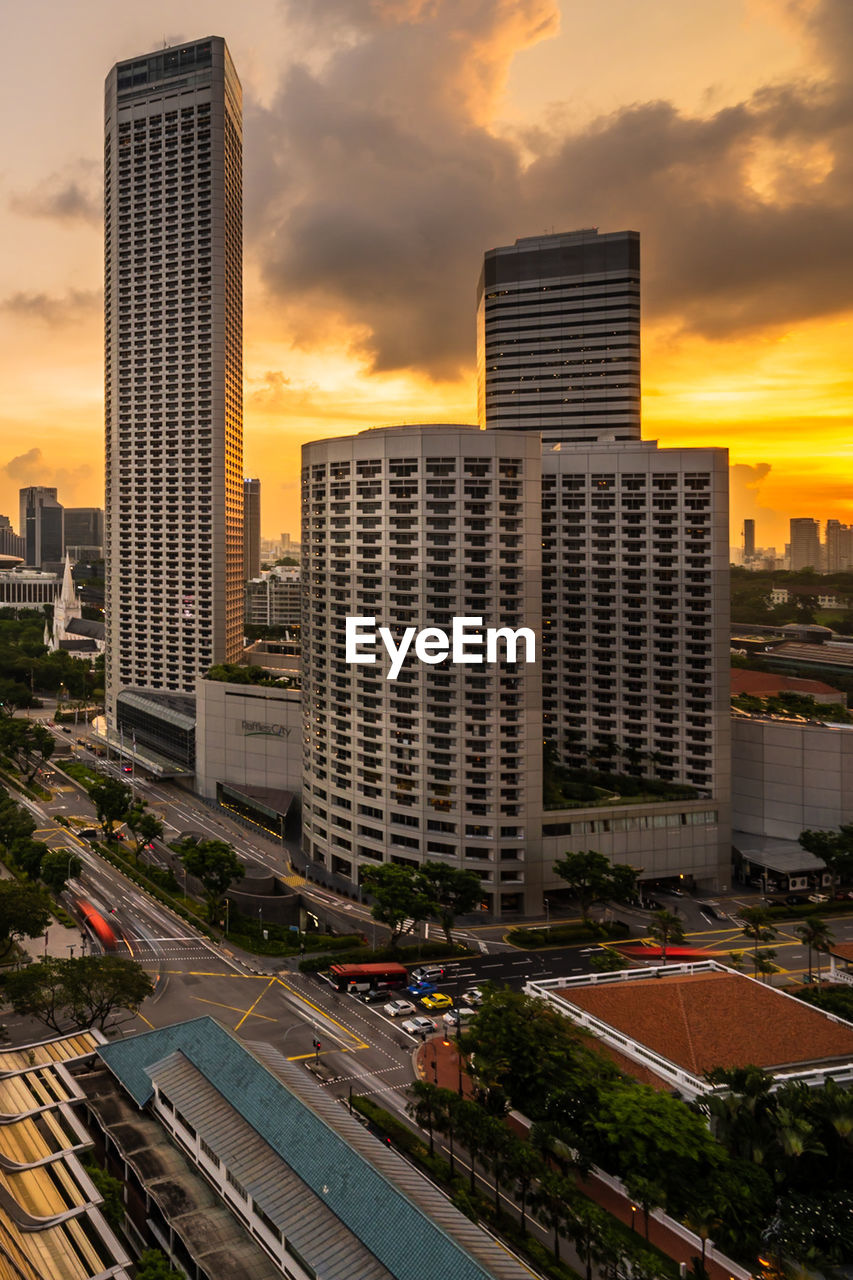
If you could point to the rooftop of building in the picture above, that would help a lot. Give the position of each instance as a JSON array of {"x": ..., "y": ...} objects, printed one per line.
[
  {"x": 786, "y": 857},
  {"x": 764, "y": 684},
  {"x": 51, "y": 1222},
  {"x": 718, "y": 1018},
  {"x": 346, "y": 1185}
]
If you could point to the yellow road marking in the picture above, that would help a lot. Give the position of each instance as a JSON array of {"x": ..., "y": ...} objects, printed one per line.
[
  {"x": 234, "y": 1008},
  {"x": 359, "y": 1043},
  {"x": 226, "y": 973},
  {"x": 259, "y": 999},
  {"x": 145, "y": 1020}
]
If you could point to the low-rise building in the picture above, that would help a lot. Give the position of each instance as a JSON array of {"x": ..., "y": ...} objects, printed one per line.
[
  {"x": 670, "y": 1026},
  {"x": 249, "y": 750},
  {"x": 242, "y": 1166}
]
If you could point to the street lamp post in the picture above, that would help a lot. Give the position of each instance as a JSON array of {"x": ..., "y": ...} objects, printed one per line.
[{"x": 547, "y": 914}]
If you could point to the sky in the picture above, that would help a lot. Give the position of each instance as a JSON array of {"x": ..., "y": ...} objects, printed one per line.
[{"x": 387, "y": 144}]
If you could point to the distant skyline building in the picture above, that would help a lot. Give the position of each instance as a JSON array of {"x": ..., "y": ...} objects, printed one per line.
[
  {"x": 251, "y": 529},
  {"x": 84, "y": 527},
  {"x": 11, "y": 543},
  {"x": 41, "y": 525},
  {"x": 838, "y": 547},
  {"x": 748, "y": 539},
  {"x": 805, "y": 544},
  {"x": 558, "y": 336},
  {"x": 174, "y": 366}
]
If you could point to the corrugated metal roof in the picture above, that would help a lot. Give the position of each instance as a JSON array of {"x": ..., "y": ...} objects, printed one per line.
[
  {"x": 305, "y": 1218},
  {"x": 397, "y": 1214}
]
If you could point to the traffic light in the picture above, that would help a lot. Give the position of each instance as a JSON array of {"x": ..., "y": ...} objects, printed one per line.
[{"x": 316, "y": 1044}]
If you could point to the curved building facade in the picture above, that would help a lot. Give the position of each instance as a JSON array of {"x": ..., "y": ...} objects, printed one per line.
[{"x": 412, "y": 527}]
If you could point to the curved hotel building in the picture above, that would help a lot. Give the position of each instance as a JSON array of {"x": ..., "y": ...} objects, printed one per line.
[{"x": 413, "y": 527}]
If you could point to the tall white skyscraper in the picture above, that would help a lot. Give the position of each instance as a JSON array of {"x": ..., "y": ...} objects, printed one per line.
[
  {"x": 558, "y": 336},
  {"x": 635, "y": 580},
  {"x": 174, "y": 357},
  {"x": 416, "y": 526}
]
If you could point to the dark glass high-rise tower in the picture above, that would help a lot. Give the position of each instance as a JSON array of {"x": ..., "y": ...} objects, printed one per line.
[{"x": 558, "y": 336}]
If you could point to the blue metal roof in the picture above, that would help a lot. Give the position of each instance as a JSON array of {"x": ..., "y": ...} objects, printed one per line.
[{"x": 402, "y": 1235}]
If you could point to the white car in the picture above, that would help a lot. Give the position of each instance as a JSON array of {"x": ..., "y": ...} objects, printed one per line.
[
  {"x": 419, "y": 1026},
  {"x": 473, "y": 997},
  {"x": 454, "y": 1016},
  {"x": 395, "y": 1007}
]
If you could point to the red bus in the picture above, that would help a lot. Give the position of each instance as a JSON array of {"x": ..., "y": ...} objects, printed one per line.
[
  {"x": 97, "y": 924},
  {"x": 367, "y": 976}
]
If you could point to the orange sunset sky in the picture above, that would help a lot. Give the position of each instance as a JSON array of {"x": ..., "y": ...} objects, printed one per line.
[{"x": 387, "y": 143}]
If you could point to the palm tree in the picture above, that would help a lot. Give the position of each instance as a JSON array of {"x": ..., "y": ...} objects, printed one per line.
[
  {"x": 525, "y": 1166},
  {"x": 425, "y": 1107},
  {"x": 551, "y": 1201},
  {"x": 666, "y": 928},
  {"x": 816, "y": 935},
  {"x": 499, "y": 1154},
  {"x": 471, "y": 1126},
  {"x": 757, "y": 928},
  {"x": 702, "y": 1219}
]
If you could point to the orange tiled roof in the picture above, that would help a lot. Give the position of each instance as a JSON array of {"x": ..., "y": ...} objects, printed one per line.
[
  {"x": 705, "y": 1020},
  {"x": 765, "y": 684},
  {"x": 843, "y": 950}
]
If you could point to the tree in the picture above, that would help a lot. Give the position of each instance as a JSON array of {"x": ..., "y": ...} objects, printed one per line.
[
  {"x": 499, "y": 1147},
  {"x": 83, "y": 992},
  {"x": 525, "y": 1047},
  {"x": 154, "y": 1265},
  {"x": 815, "y": 934},
  {"x": 150, "y": 828},
  {"x": 834, "y": 847},
  {"x": 99, "y": 986},
  {"x": 608, "y": 961},
  {"x": 15, "y": 823},
  {"x": 42, "y": 746},
  {"x": 525, "y": 1166},
  {"x": 400, "y": 898},
  {"x": 216, "y": 865},
  {"x": 446, "y": 1119},
  {"x": 425, "y": 1107},
  {"x": 111, "y": 799},
  {"x": 588, "y": 1227},
  {"x": 655, "y": 1138},
  {"x": 37, "y": 991},
  {"x": 23, "y": 914},
  {"x": 474, "y": 1130},
  {"x": 132, "y": 819},
  {"x": 666, "y": 928},
  {"x": 757, "y": 928},
  {"x": 551, "y": 1201},
  {"x": 28, "y": 855},
  {"x": 58, "y": 867},
  {"x": 593, "y": 878},
  {"x": 452, "y": 892}
]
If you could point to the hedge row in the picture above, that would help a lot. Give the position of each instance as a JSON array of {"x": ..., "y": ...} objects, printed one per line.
[{"x": 565, "y": 934}]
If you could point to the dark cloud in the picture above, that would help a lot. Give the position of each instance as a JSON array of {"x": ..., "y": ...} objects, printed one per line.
[
  {"x": 377, "y": 186},
  {"x": 374, "y": 184},
  {"x": 33, "y": 468},
  {"x": 54, "y": 311},
  {"x": 23, "y": 467},
  {"x": 64, "y": 197}
]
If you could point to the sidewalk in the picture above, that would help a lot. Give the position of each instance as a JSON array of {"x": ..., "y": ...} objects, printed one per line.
[{"x": 438, "y": 1062}]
